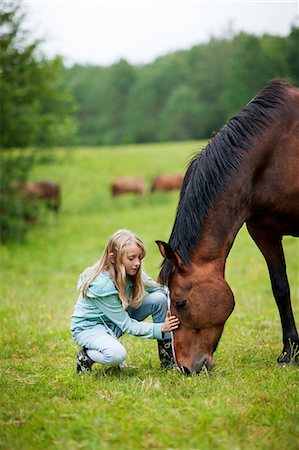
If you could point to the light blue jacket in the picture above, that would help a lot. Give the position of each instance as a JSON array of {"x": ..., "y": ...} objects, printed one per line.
[{"x": 102, "y": 305}]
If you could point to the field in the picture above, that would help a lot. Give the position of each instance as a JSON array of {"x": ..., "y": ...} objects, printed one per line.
[{"x": 246, "y": 402}]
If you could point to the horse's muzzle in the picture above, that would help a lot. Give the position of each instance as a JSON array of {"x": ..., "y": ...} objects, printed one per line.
[{"x": 206, "y": 361}]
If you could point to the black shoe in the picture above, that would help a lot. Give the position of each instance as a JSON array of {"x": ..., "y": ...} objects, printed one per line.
[
  {"x": 84, "y": 363},
  {"x": 165, "y": 354}
]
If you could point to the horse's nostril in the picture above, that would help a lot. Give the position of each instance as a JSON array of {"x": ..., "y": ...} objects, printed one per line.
[{"x": 207, "y": 364}]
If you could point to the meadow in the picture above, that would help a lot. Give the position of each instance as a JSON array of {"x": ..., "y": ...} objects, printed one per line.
[{"x": 246, "y": 402}]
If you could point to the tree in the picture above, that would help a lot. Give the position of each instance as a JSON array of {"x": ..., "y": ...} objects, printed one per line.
[
  {"x": 16, "y": 214},
  {"x": 121, "y": 79},
  {"x": 208, "y": 66},
  {"x": 154, "y": 84},
  {"x": 179, "y": 120},
  {"x": 293, "y": 55},
  {"x": 35, "y": 109},
  {"x": 254, "y": 62}
]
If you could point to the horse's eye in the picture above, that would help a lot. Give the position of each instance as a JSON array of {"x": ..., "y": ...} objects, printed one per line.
[{"x": 181, "y": 304}]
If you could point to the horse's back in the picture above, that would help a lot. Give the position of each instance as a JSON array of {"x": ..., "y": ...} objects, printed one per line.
[
  {"x": 275, "y": 197},
  {"x": 127, "y": 184},
  {"x": 42, "y": 190},
  {"x": 48, "y": 188},
  {"x": 167, "y": 182}
]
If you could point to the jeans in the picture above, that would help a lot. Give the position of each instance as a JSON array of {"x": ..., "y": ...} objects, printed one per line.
[{"x": 102, "y": 347}]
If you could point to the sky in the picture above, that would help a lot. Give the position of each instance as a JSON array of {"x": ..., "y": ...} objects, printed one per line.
[{"x": 101, "y": 32}]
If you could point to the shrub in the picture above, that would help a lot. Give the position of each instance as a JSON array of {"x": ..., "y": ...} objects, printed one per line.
[{"x": 16, "y": 213}]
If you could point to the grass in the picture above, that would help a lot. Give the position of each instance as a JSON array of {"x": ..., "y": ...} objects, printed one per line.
[{"x": 246, "y": 402}]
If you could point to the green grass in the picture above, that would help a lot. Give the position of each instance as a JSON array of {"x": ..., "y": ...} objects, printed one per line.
[{"x": 246, "y": 402}]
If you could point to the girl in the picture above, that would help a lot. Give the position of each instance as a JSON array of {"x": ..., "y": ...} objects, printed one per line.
[{"x": 112, "y": 302}]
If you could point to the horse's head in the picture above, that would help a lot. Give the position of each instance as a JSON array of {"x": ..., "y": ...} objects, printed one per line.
[{"x": 203, "y": 301}]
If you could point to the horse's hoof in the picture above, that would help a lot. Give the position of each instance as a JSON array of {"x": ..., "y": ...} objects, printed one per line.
[{"x": 286, "y": 360}]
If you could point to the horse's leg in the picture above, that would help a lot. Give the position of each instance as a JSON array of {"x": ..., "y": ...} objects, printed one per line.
[
  {"x": 271, "y": 248},
  {"x": 57, "y": 199}
]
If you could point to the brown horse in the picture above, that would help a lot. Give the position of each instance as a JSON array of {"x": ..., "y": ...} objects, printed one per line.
[
  {"x": 122, "y": 185},
  {"x": 248, "y": 173},
  {"x": 42, "y": 190},
  {"x": 167, "y": 183}
]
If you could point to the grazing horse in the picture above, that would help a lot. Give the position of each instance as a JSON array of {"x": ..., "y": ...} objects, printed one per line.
[
  {"x": 167, "y": 183},
  {"x": 42, "y": 190},
  {"x": 122, "y": 185},
  {"x": 248, "y": 173}
]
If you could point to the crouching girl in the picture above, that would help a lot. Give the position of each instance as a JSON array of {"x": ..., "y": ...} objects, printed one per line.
[{"x": 115, "y": 296}]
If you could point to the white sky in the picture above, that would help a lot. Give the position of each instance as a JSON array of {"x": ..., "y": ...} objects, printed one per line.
[{"x": 103, "y": 31}]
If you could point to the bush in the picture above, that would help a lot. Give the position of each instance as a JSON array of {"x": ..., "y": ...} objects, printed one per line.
[{"x": 16, "y": 213}]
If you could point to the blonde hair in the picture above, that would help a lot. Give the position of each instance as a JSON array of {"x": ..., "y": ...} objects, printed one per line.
[{"x": 116, "y": 245}]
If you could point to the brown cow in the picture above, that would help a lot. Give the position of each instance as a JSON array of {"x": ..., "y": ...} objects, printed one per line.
[
  {"x": 42, "y": 190},
  {"x": 122, "y": 185},
  {"x": 167, "y": 183}
]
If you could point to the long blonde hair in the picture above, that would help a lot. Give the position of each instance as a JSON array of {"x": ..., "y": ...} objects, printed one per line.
[{"x": 116, "y": 245}]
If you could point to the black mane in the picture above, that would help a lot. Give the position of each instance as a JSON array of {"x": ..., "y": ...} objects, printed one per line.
[{"x": 209, "y": 171}]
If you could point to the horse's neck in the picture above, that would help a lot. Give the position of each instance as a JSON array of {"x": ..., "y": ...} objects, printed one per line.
[{"x": 221, "y": 226}]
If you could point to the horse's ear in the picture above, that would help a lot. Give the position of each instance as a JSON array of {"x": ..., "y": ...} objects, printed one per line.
[{"x": 172, "y": 256}]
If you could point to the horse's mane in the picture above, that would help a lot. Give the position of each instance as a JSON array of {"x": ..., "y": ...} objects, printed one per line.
[{"x": 209, "y": 171}]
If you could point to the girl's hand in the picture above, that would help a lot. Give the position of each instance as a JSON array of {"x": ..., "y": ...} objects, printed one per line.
[{"x": 171, "y": 323}]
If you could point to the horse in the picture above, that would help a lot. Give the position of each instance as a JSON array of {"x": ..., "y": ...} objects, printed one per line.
[
  {"x": 247, "y": 173},
  {"x": 122, "y": 185},
  {"x": 42, "y": 190},
  {"x": 167, "y": 183}
]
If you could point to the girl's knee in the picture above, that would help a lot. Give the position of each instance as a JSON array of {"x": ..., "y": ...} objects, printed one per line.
[
  {"x": 161, "y": 301},
  {"x": 116, "y": 355},
  {"x": 158, "y": 297}
]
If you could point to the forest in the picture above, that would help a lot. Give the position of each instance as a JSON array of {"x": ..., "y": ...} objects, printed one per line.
[{"x": 185, "y": 95}]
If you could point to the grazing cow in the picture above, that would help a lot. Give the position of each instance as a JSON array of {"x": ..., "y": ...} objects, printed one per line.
[
  {"x": 42, "y": 190},
  {"x": 122, "y": 185},
  {"x": 167, "y": 183}
]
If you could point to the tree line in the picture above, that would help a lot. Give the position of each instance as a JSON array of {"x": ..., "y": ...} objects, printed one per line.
[{"x": 184, "y": 95}]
